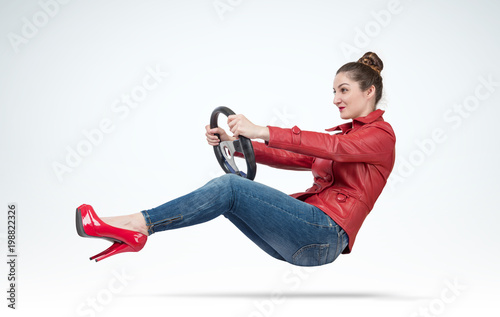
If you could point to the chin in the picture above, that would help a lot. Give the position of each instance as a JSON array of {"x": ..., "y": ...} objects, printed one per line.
[{"x": 344, "y": 116}]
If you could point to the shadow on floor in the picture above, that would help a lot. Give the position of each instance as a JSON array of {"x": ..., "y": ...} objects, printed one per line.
[{"x": 302, "y": 295}]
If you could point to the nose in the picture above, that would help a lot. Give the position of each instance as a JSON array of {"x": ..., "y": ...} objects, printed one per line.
[{"x": 336, "y": 100}]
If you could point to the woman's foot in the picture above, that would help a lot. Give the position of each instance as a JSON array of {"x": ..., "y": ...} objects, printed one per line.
[
  {"x": 126, "y": 232},
  {"x": 133, "y": 222}
]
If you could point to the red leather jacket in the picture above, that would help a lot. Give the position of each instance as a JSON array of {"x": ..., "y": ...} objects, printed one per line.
[{"x": 350, "y": 168}]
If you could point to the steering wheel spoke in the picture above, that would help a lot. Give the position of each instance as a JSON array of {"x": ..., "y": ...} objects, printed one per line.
[{"x": 228, "y": 149}]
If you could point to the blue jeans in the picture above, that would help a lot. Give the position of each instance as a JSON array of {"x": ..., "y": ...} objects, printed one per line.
[{"x": 284, "y": 227}]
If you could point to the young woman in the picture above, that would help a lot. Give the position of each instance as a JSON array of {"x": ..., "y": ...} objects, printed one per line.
[{"x": 350, "y": 169}]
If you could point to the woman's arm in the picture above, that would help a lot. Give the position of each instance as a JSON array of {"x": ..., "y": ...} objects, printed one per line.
[
  {"x": 372, "y": 143},
  {"x": 263, "y": 154},
  {"x": 240, "y": 125},
  {"x": 281, "y": 158}
]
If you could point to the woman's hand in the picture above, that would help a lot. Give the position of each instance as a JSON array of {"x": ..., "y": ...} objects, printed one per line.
[
  {"x": 240, "y": 125},
  {"x": 213, "y": 139}
]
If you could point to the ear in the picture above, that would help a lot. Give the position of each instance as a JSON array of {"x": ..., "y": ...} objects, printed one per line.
[{"x": 370, "y": 92}]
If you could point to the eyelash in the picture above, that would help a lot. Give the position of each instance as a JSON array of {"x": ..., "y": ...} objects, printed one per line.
[{"x": 341, "y": 89}]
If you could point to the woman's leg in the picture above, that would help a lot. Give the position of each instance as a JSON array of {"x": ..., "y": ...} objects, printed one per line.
[
  {"x": 284, "y": 227},
  {"x": 253, "y": 236},
  {"x": 137, "y": 222}
]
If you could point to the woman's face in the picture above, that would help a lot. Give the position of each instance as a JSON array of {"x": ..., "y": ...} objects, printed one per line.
[{"x": 351, "y": 101}]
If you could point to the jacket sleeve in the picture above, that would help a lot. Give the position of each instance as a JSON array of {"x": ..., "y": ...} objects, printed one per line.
[
  {"x": 370, "y": 144},
  {"x": 281, "y": 158}
]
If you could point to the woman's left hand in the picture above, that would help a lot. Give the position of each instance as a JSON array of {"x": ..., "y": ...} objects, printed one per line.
[{"x": 240, "y": 125}]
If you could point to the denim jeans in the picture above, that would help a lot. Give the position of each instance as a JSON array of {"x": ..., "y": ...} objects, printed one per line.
[{"x": 284, "y": 227}]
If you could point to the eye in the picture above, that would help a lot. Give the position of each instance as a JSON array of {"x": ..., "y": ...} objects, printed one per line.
[
  {"x": 343, "y": 89},
  {"x": 334, "y": 92}
]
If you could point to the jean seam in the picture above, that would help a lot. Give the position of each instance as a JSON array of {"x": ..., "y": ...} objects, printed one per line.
[
  {"x": 165, "y": 221},
  {"x": 345, "y": 241},
  {"x": 149, "y": 224},
  {"x": 340, "y": 239},
  {"x": 231, "y": 204},
  {"x": 321, "y": 247}
]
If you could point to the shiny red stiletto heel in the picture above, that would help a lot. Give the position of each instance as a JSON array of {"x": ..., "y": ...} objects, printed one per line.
[
  {"x": 89, "y": 225},
  {"x": 115, "y": 248},
  {"x": 115, "y": 245}
]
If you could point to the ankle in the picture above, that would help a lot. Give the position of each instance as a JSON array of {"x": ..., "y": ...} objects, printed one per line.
[{"x": 139, "y": 223}]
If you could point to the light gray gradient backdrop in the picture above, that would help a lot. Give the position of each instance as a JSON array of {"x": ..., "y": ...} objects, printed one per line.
[{"x": 430, "y": 245}]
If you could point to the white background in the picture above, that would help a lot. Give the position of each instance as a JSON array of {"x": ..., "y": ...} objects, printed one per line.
[{"x": 63, "y": 67}]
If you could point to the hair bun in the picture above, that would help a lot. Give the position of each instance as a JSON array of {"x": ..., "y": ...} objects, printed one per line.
[{"x": 371, "y": 59}]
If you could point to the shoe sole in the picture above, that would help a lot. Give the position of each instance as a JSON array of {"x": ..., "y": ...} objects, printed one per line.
[
  {"x": 81, "y": 232},
  {"x": 79, "y": 225}
]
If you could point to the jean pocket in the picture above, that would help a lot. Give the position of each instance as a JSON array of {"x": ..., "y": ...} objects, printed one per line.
[{"x": 311, "y": 255}]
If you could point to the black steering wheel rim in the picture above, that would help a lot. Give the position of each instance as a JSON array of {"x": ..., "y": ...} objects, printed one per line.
[{"x": 242, "y": 145}]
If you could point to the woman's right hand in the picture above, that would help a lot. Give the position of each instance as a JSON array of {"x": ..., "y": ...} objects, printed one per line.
[{"x": 212, "y": 139}]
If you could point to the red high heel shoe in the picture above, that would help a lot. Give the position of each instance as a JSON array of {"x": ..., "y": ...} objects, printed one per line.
[{"x": 89, "y": 225}]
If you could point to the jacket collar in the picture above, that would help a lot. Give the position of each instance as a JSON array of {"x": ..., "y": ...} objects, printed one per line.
[{"x": 360, "y": 121}]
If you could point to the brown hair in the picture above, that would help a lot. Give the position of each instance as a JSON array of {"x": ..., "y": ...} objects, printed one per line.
[{"x": 366, "y": 72}]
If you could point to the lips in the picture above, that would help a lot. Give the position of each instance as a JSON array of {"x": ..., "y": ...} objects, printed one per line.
[{"x": 341, "y": 108}]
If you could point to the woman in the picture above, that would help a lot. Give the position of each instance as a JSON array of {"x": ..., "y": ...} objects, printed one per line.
[{"x": 350, "y": 169}]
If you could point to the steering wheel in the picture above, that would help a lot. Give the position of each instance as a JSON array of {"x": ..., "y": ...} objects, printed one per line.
[{"x": 224, "y": 152}]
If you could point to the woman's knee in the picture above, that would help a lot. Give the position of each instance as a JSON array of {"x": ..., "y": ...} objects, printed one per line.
[
  {"x": 227, "y": 181},
  {"x": 218, "y": 181}
]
